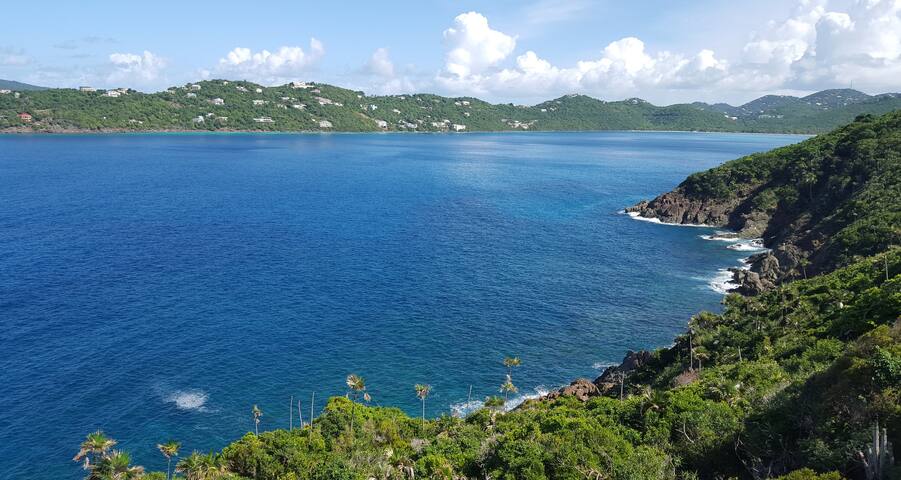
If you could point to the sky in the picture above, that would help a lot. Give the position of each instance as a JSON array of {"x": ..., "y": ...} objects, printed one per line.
[{"x": 523, "y": 51}]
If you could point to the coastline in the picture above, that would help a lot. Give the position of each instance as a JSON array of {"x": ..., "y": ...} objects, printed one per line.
[{"x": 165, "y": 131}]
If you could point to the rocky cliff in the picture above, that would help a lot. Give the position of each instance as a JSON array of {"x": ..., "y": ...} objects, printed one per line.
[{"x": 817, "y": 205}]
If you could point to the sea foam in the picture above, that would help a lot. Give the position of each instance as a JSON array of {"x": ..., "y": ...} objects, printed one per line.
[
  {"x": 463, "y": 409},
  {"x": 755, "y": 245},
  {"x": 192, "y": 400},
  {"x": 637, "y": 216}
]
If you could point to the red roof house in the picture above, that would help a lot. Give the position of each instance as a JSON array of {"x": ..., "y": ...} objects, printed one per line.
[{"x": 25, "y": 117}]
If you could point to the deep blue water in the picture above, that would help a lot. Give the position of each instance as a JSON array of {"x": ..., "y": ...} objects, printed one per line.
[{"x": 156, "y": 286}]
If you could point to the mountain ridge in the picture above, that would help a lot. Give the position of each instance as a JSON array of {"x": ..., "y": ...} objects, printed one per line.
[{"x": 224, "y": 105}]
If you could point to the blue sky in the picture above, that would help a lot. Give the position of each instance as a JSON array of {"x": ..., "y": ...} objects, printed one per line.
[{"x": 519, "y": 51}]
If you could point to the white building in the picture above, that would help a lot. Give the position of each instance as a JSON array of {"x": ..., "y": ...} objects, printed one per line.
[
  {"x": 240, "y": 88},
  {"x": 191, "y": 95},
  {"x": 259, "y": 90},
  {"x": 87, "y": 89},
  {"x": 259, "y": 102},
  {"x": 381, "y": 123},
  {"x": 396, "y": 111},
  {"x": 325, "y": 124},
  {"x": 198, "y": 119},
  {"x": 5, "y": 92},
  {"x": 195, "y": 87},
  {"x": 324, "y": 101},
  {"x": 303, "y": 85},
  {"x": 299, "y": 106},
  {"x": 217, "y": 101},
  {"x": 264, "y": 120},
  {"x": 458, "y": 128},
  {"x": 112, "y": 94}
]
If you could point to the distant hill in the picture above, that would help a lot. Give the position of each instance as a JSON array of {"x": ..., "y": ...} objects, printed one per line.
[
  {"x": 18, "y": 86},
  {"x": 222, "y": 105}
]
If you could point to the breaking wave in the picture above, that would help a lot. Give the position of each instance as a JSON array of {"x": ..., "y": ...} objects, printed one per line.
[{"x": 191, "y": 400}]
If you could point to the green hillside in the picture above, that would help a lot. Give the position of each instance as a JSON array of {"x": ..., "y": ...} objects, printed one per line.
[
  {"x": 18, "y": 86},
  {"x": 225, "y": 105}
]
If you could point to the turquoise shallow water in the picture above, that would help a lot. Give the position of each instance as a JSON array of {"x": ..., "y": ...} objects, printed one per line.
[{"x": 156, "y": 286}]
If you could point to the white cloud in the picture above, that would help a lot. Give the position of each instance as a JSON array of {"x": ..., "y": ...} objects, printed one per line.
[
  {"x": 380, "y": 63},
  {"x": 131, "y": 68},
  {"x": 281, "y": 66},
  {"x": 823, "y": 44},
  {"x": 474, "y": 46},
  {"x": 828, "y": 44}
]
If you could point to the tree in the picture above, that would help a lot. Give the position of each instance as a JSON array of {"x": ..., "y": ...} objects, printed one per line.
[
  {"x": 510, "y": 363},
  {"x": 422, "y": 391},
  {"x": 198, "y": 466},
  {"x": 115, "y": 466},
  {"x": 169, "y": 450},
  {"x": 95, "y": 446},
  {"x": 507, "y": 388},
  {"x": 257, "y": 413},
  {"x": 357, "y": 386}
]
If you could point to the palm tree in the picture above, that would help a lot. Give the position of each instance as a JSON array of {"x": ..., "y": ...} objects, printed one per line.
[
  {"x": 169, "y": 450},
  {"x": 192, "y": 466},
  {"x": 257, "y": 413},
  {"x": 116, "y": 466},
  {"x": 198, "y": 466},
  {"x": 95, "y": 446},
  {"x": 507, "y": 388},
  {"x": 422, "y": 391},
  {"x": 357, "y": 386},
  {"x": 510, "y": 363}
]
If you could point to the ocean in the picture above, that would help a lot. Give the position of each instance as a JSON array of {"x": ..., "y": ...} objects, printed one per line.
[{"x": 157, "y": 286}]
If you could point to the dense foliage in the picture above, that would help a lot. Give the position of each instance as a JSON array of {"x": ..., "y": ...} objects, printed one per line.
[
  {"x": 838, "y": 195},
  {"x": 320, "y": 107}
]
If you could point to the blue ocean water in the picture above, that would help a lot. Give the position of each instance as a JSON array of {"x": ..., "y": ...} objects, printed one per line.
[{"x": 156, "y": 286}]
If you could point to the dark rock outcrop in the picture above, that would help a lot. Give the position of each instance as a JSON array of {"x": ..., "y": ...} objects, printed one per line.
[{"x": 608, "y": 382}]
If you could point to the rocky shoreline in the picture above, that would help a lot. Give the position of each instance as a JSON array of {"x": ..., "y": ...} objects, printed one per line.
[{"x": 765, "y": 270}]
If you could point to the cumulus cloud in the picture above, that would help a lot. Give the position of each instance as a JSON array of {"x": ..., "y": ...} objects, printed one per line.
[
  {"x": 132, "y": 68},
  {"x": 283, "y": 65},
  {"x": 380, "y": 64},
  {"x": 624, "y": 66},
  {"x": 823, "y": 44},
  {"x": 474, "y": 46}
]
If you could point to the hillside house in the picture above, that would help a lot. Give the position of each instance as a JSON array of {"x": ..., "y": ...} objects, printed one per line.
[
  {"x": 259, "y": 102},
  {"x": 458, "y": 128},
  {"x": 325, "y": 124},
  {"x": 87, "y": 89},
  {"x": 381, "y": 123},
  {"x": 191, "y": 95},
  {"x": 198, "y": 119},
  {"x": 5, "y": 92},
  {"x": 112, "y": 94},
  {"x": 259, "y": 90},
  {"x": 303, "y": 85},
  {"x": 324, "y": 101},
  {"x": 264, "y": 120},
  {"x": 299, "y": 106},
  {"x": 25, "y": 117},
  {"x": 241, "y": 89},
  {"x": 195, "y": 87},
  {"x": 217, "y": 101}
]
